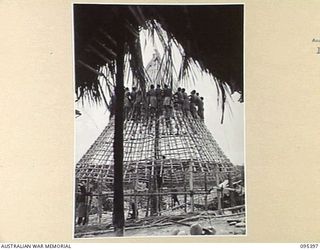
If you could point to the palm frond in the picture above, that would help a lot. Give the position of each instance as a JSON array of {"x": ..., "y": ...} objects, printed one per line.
[{"x": 102, "y": 47}]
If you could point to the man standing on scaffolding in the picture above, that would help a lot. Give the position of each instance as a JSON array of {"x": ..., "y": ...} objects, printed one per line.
[
  {"x": 193, "y": 101},
  {"x": 159, "y": 96},
  {"x": 186, "y": 102},
  {"x": 152, "y": 100},
  {"x": 137, "y": 105},
  {"x": 178, "y": 99},
  {"x": 167, "y": 93},
  {"x": 201, "y": 108}
]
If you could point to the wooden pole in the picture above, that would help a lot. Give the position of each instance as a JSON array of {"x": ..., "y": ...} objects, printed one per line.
[
  {"x": 185, "y": 190},
  {"x": 135, "y": 197},
  {"x": 118, "y": 206},
  {"x": 159, "y": 193},
  {"x": 231, "y": 192},
  {"x": 76, "y": 203},
  {"x": 171, "y": 188},
  {"x": 99, "y": 201},
  {"x": 88, "y": 201},
  {"x": 206, "y": 190},
  {"x": 156, "y": 171},
  {"x": 159, "y": 184},
  {"x": 149, "y": 197},
  {"x": 156, "y": 196},
  {"x": 153, "y": 193},
  {"x": 218, "y": 191},
  {"x": 191, "y": 186}
]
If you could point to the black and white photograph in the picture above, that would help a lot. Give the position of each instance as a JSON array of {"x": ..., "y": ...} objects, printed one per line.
[{"x": 159, "y": 118}]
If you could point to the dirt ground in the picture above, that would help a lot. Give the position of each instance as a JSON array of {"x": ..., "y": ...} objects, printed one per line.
[{"x": 221, "y": 226}]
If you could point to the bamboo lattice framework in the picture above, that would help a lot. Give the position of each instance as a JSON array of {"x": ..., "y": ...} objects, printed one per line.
[{"x": 163, "y": 146}]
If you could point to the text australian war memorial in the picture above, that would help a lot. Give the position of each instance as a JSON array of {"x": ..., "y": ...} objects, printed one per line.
[{"x": 157, "y": 169}]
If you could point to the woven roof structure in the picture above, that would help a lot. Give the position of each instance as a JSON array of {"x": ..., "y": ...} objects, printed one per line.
[
  {"x": 157, "y": 146},
  {"x": 164, "y": 143},
  {"x": 189, "y": 142}
]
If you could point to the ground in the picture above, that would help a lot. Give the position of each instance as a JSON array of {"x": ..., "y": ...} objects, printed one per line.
[{"x": 152, "y": 228}]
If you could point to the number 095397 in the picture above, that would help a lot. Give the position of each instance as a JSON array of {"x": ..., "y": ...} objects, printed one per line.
[{"x": 311, "y": 245}]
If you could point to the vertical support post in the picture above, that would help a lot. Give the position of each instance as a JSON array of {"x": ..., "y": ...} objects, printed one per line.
[
  {"x": 218, "y": 190},
  {"x": 76, "y": 203},
  {"x": 118, "y": 200},
  {"x": 160, "y": 200},
  {"x": 171, "y": 189},
  {"x": 99, "y": 201},
  {"x": 135, "y": 197},
  {"x": 147, "y": 208},
  {"x": 156, "y": 173},
  {"x": 154, "y": 196},
  {"x": 88, "y": 201},
  {"x": 231, "y": 192},
  {"x": 158, "y": 180},
  {"x": 185, "y": 190},
  {"x": 149, "y": 197},
  {"x": 206, "y": 190},
  {"x": 191, "y": 186}
]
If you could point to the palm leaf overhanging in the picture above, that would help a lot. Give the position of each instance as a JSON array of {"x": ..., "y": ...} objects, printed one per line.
[
  {"x": 107, "y": 40},
  {"x": 210, "y": 36}
]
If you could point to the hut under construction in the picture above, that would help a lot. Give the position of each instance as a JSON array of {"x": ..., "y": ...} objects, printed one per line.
[{"x": 169, "y": 155}]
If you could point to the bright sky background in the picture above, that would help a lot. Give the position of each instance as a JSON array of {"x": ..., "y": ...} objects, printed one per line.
[{"x": 229, "y": 135}]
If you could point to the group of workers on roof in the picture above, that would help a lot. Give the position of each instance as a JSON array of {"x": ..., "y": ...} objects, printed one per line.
[{"x": 162, "y": 101}]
